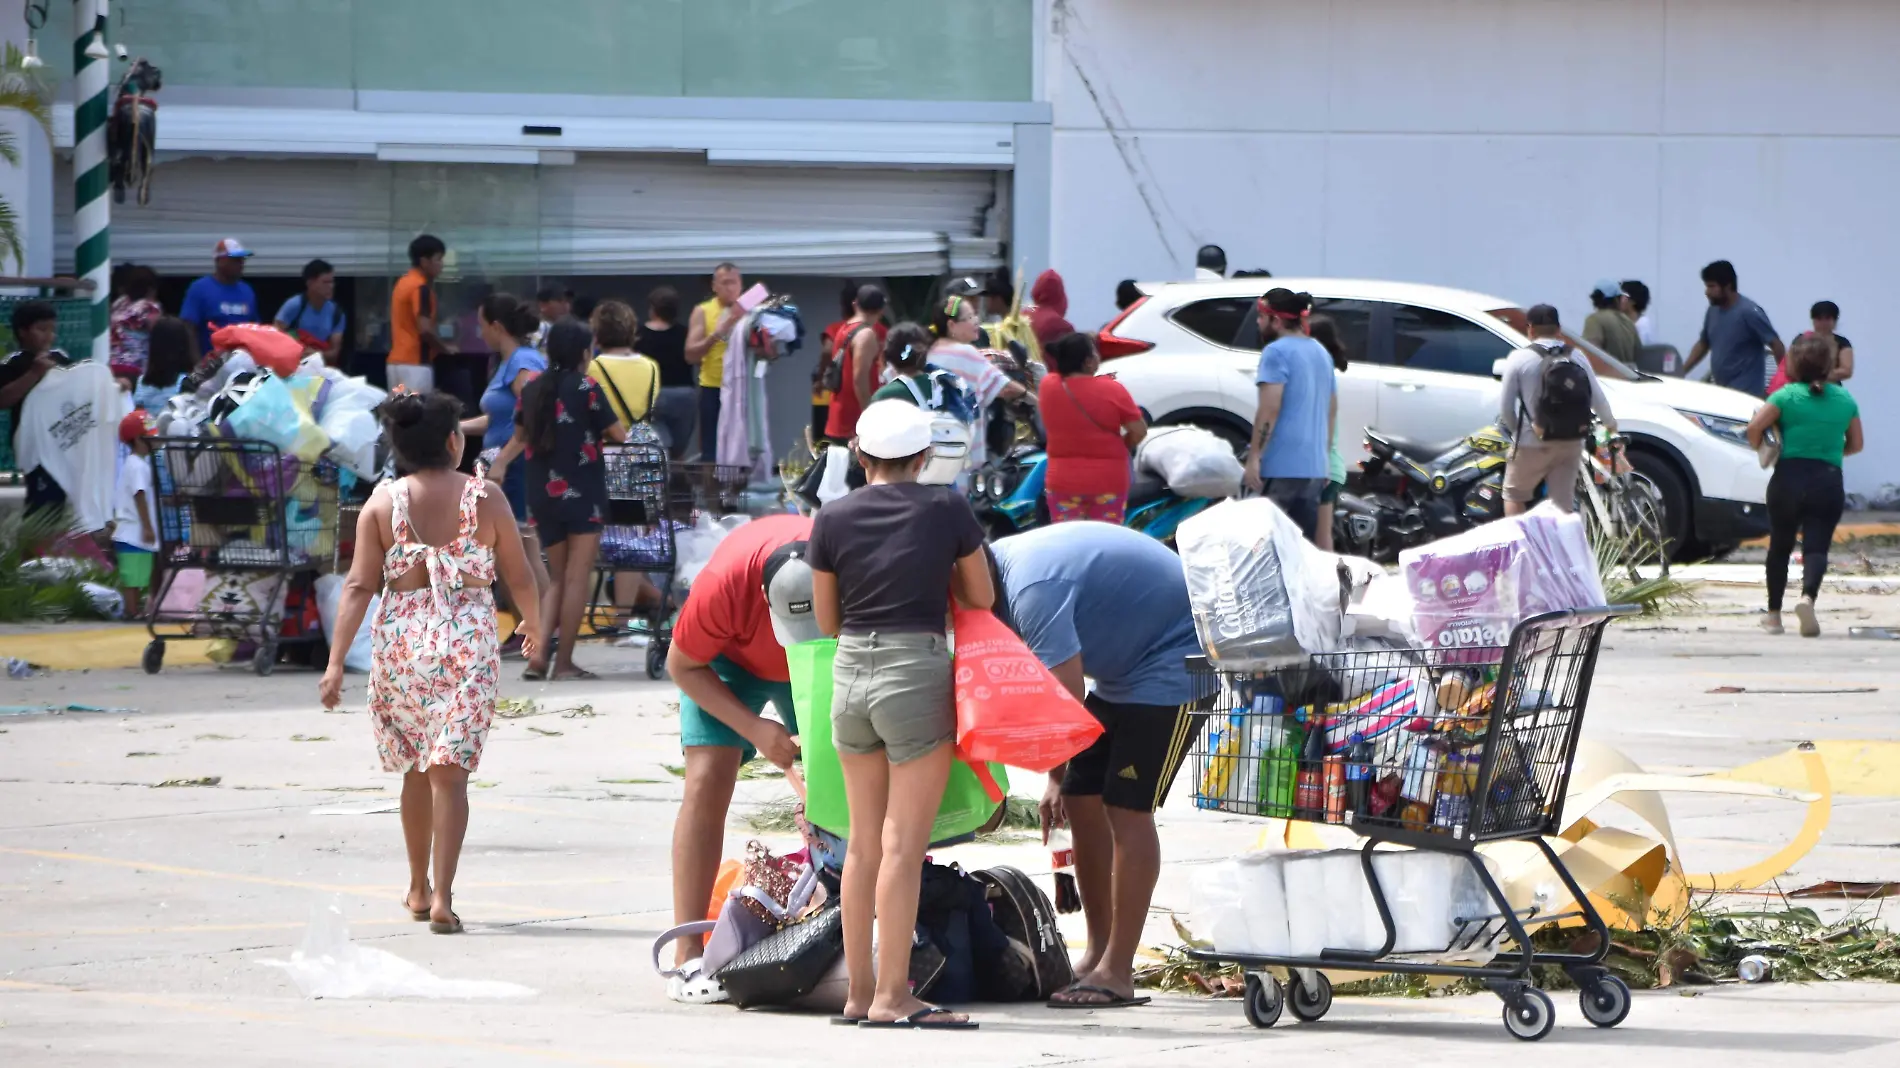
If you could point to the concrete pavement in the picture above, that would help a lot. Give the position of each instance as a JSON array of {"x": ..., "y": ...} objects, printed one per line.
[{"x": 134, "y": 915}]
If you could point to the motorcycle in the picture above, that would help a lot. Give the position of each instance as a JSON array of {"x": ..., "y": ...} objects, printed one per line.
[
  {"x": 1414, "y": 497},
  {"x": 1008, "y": 497}
]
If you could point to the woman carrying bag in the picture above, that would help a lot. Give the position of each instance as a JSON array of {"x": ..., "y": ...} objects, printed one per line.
[
  {"x": 1819, "y": 424},
  {"x": 1093, "y": 425}
]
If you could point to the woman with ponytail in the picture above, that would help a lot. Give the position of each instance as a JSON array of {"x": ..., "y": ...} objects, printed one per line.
[
  {"x": 565, "y": 418},
  {"x": 1819, "y": 424},
  {"x": 433, "y": 542}
]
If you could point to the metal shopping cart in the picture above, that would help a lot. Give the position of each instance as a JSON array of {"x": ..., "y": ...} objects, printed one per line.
[
  {"x": 1440, "y": 750},
  {"x": 714, "y": 489},
  {"x": 639, "y": 536},
  {"x": 256, "y": 526}
]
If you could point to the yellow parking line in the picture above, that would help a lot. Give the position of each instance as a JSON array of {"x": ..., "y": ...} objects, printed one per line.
[{"x": 101, "y": 932}]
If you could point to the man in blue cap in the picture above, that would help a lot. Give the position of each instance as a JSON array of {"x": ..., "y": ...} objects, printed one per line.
[
  {"x": 1610, "y": 326},
  {"x": 222, "y": 297}
]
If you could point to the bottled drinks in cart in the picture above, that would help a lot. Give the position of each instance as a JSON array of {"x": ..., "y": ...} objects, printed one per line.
[
  {"x": 1310, "y": 789},
  {"x": 1359, "y": 777},
  {"x": 1335, "y": 777}
]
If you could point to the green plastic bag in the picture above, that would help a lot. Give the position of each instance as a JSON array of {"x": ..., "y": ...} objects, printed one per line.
[{"x": 966, "y": 805}]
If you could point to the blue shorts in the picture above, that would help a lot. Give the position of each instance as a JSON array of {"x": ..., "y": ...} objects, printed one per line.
[
  {"x": 699, "y": 728},
  {"x": 514, "y": 486}
]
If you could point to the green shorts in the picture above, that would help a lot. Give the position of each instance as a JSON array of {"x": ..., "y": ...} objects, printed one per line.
[
  {"x": 698, "y": 727},
  {"x": 135, "y": 566}
]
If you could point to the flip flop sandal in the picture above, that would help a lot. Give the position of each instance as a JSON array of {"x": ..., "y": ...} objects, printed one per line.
[
  {"x": 534, "y": 674},
  {"x": 1115, "y": 1001},
  {"x": 579, "y": 674},
  {"x": 921, "y": 1021},
  {"x": 454, "y": 926},
  {"x": 846, "y": 1021},
  {"x": 420, "y": 915}
]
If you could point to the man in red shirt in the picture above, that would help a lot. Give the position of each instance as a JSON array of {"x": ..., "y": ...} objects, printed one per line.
[
  {"x": 729, "y": 664},
  {"x": 859, "y": 347}
]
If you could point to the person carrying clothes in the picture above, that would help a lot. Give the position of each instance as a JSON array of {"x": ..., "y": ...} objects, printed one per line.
[
  {"x": 1550, "y": 393},
  {"x": 707, "y": 331},
  {"x": 1610, "y": 327},
  {"x": 885, "y": 560},
  {"x": 565, "y": 417},
  {"x": 1288, "y": 457},
  {"x": 434, "y": 542},
  {"x": 1109, "y": 604},
  {"x": 1092, "y": 425},
  {"x": 729, "y": 665},
  {"x": 35, "y": 327},
  {"x": 1819, "y": 423}
]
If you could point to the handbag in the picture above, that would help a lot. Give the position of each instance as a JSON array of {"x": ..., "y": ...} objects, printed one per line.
[{"x": 787, "y": 965}]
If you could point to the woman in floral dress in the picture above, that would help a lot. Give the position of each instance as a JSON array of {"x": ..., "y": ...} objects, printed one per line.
[
  {"x": 431, "y": 541},
  {"x": 564, "y": 419}
]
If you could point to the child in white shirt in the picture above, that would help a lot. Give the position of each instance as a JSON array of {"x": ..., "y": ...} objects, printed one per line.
[{"x": 134, "y": 523}]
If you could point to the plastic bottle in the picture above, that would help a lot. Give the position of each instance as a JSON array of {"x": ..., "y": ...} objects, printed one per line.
[
  {"x": 1310, "y": 791},
  {"x": 1335, "y": 777},
  {"x": 1062, "y": 862},
  {"x": 1359, "y": 777},
  {"x": 1280, "y": 768},
  {"x": 1453, "y": 807}
]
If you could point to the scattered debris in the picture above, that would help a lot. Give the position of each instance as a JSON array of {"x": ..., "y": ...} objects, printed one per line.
[
  {"x": 630, "y": 782},
  {"x": 140, "y": 753},
  {"x": 544, "y": 733},
  {"x": 202, "y": 780},
  {"x": 483, "y": 784},
  {"x": 524, "y": 707},
  {"x": 214, "y": 738},
  {"x": 1875, "y": 634},
  {"x": 678, "y": 771},
  {"x": 372, "y": 808},
  {"x": 759, "y": 768},
  {"x": 309, "y": 737},
  {"x": 352, "y": 790},
  {"x": 329, "y": 965},
  {"x": 56, "y": 710},
  {"x": 1851, "y": 891},
  {"x": 20, "y": 669},
  {"x": 1710, "y": 656},
  {"x": 1777, "y": 690}
]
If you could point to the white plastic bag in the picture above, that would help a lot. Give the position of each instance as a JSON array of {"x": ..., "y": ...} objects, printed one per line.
[
  {"x": 1192, "y": 461},
  {"x": 349, "y": 417},
  {"x": 329, "y": 965},
  {"x": 1240, "y": 905},
  {"x": 1262, "y": 595},
  {"x": 329, "y": 598},
  {"x": 694, "y": 545}
]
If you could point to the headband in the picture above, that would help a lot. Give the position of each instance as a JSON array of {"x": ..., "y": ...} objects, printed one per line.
[
  {"x": 1286, "y": 316},
  {"x": 952, "y": 306}
]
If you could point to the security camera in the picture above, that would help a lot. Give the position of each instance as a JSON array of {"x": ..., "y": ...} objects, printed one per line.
[{"x": 119, "y": 50}]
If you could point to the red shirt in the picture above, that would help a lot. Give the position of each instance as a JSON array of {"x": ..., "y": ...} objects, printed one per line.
[
  {"x": 842, "y": 423},
  {"x": 1082, "y": 417},
  {"x": 725, "y": 613}
]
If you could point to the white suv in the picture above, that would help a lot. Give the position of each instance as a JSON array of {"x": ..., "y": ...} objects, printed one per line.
[{"x": 1422, "y": 372}]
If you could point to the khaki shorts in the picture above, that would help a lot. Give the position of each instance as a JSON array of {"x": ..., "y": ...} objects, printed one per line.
[
  {"x": 1556, "y": 464},
  {"x": 892, "y": 692}
]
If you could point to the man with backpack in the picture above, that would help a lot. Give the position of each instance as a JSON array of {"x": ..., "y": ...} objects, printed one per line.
[{"x": 1551, "y": 398}]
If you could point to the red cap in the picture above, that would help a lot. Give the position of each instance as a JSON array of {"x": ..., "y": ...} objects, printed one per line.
[{"x": 134, "y": 425}]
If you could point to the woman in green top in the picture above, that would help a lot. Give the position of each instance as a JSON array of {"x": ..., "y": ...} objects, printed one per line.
[{"x": 1820, "y": 425}]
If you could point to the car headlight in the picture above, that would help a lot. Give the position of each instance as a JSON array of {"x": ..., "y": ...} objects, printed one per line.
[{"x": 1733, "y": 431}]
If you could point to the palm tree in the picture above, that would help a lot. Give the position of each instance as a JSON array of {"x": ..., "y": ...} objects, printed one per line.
[{"x": 20, "y": 90}]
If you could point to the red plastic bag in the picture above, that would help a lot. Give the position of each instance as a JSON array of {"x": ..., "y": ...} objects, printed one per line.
[
  {"x": 1010, "y": 709},
  {"x": 274, "y": 350}
]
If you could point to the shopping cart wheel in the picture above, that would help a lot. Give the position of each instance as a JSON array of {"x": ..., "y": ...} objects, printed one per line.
[
  {"x": 656, "y": 660},
  {"x": 1265, "y": 1000},
  {"x": 1605, "y": 1002},
  {"x": 154, "y": 657},
  {"x": 1529, "y": 1015},
  {"x": 1309, "y": 1003},
  {"x": 265, "y": 660}
]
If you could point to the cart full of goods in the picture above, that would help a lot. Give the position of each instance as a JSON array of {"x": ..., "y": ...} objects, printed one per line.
[
  {"x": 258, "y": 467},
  {"x": 1430, "y": 712}
]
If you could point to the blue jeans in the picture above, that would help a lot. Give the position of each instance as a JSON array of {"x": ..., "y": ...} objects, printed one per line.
[
  {"x": 673, "y": 416},
  {"x": 1299, "y": 499},
  {"x": 708, "y": 424}
]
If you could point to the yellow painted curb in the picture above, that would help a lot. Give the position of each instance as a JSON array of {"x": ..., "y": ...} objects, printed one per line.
[
  {"x": 91, "y": 648},
  {"x": 1848, "y": 532}
]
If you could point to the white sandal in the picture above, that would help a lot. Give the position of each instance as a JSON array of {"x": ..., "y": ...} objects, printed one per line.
[{"x": 686, "y": 986}]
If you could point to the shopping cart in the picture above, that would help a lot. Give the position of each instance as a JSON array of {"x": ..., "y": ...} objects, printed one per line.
[
  {"x": 639, "y": 536},
  {"x": 713, "y": 489},
  {"x": 1440, "y": 750},
  {"x": 257, "y": 526}
]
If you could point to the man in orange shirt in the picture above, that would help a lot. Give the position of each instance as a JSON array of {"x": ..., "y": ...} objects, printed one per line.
[{"x": 413, "y": 341}]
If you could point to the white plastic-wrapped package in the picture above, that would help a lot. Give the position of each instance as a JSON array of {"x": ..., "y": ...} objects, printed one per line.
[
  {"x": 1566, "y": 566},
  {"x": 1309, "y": 908},
  {"x": 1192, "y": 461},
  {"x": 1262, "y": 595},
  {"x": 1215, "y": 908},
  {"x": 1263, "y": 905}
]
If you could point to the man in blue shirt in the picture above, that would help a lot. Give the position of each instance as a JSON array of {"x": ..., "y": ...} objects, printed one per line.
[
  {"x": 221, "y": 297},
  {"x": 313, "y": 316},
  {"x": 1289, "y": 455},
  {"x": 1104, "y": 602},
  {"x": 1735, "y": 330}
]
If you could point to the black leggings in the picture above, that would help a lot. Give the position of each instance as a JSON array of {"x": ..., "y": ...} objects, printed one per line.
[{"x": 1804, "y": 496}]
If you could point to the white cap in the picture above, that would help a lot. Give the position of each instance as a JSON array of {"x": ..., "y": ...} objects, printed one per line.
[{"x": 893, "y": 430}]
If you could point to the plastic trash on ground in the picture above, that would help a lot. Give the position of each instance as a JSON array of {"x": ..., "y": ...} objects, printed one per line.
[
  {"x": 1192, "y": 461},
  {"x": 329, "y": 965}
]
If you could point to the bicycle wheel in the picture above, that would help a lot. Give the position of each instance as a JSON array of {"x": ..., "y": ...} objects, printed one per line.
[{"x": 1639, "y": 512}]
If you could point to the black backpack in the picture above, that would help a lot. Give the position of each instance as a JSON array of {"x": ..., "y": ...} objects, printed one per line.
[
  {"x": 1024, "y": 913},
  {"x": 1564, "y": 411},
  {"x": 831, "y": 364}
]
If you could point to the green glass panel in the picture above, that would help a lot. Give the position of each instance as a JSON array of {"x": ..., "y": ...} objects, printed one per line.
[
  {"x": 595, "y": 47},
  {"x": 853, "y": 49}
]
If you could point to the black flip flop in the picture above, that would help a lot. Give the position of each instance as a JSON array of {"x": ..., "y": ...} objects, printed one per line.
[
  {"x": 1115, "y": 1001},
  {"x": 534, "y": 674},
  {"x": 579, "y": 674},
  {"x": 846, "y": 1021},
  {"x": 418, "y": 915},
  {"x": 454, "y": 926},
  {"x": 921, "y": 1021}
]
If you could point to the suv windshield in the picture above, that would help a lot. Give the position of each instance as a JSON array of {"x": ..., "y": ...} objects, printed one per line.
[{"x": 1605, "y": 364}]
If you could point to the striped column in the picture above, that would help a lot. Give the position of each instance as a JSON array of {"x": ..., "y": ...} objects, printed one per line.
[{"x": 92, "y": 188}]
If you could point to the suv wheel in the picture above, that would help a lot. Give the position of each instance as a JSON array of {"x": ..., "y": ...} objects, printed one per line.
[{"x": 1677, "y": 507}]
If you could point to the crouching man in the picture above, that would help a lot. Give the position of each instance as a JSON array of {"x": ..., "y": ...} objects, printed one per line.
[{"x": 1106, "y": 603}]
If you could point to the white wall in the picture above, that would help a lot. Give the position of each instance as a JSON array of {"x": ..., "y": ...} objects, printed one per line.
[
  {"x": 1520, "y": 147},
  {"x": 29, "y": 187}
]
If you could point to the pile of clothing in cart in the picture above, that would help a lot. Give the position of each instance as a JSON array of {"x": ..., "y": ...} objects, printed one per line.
[{"x": 771, "y": 330}]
